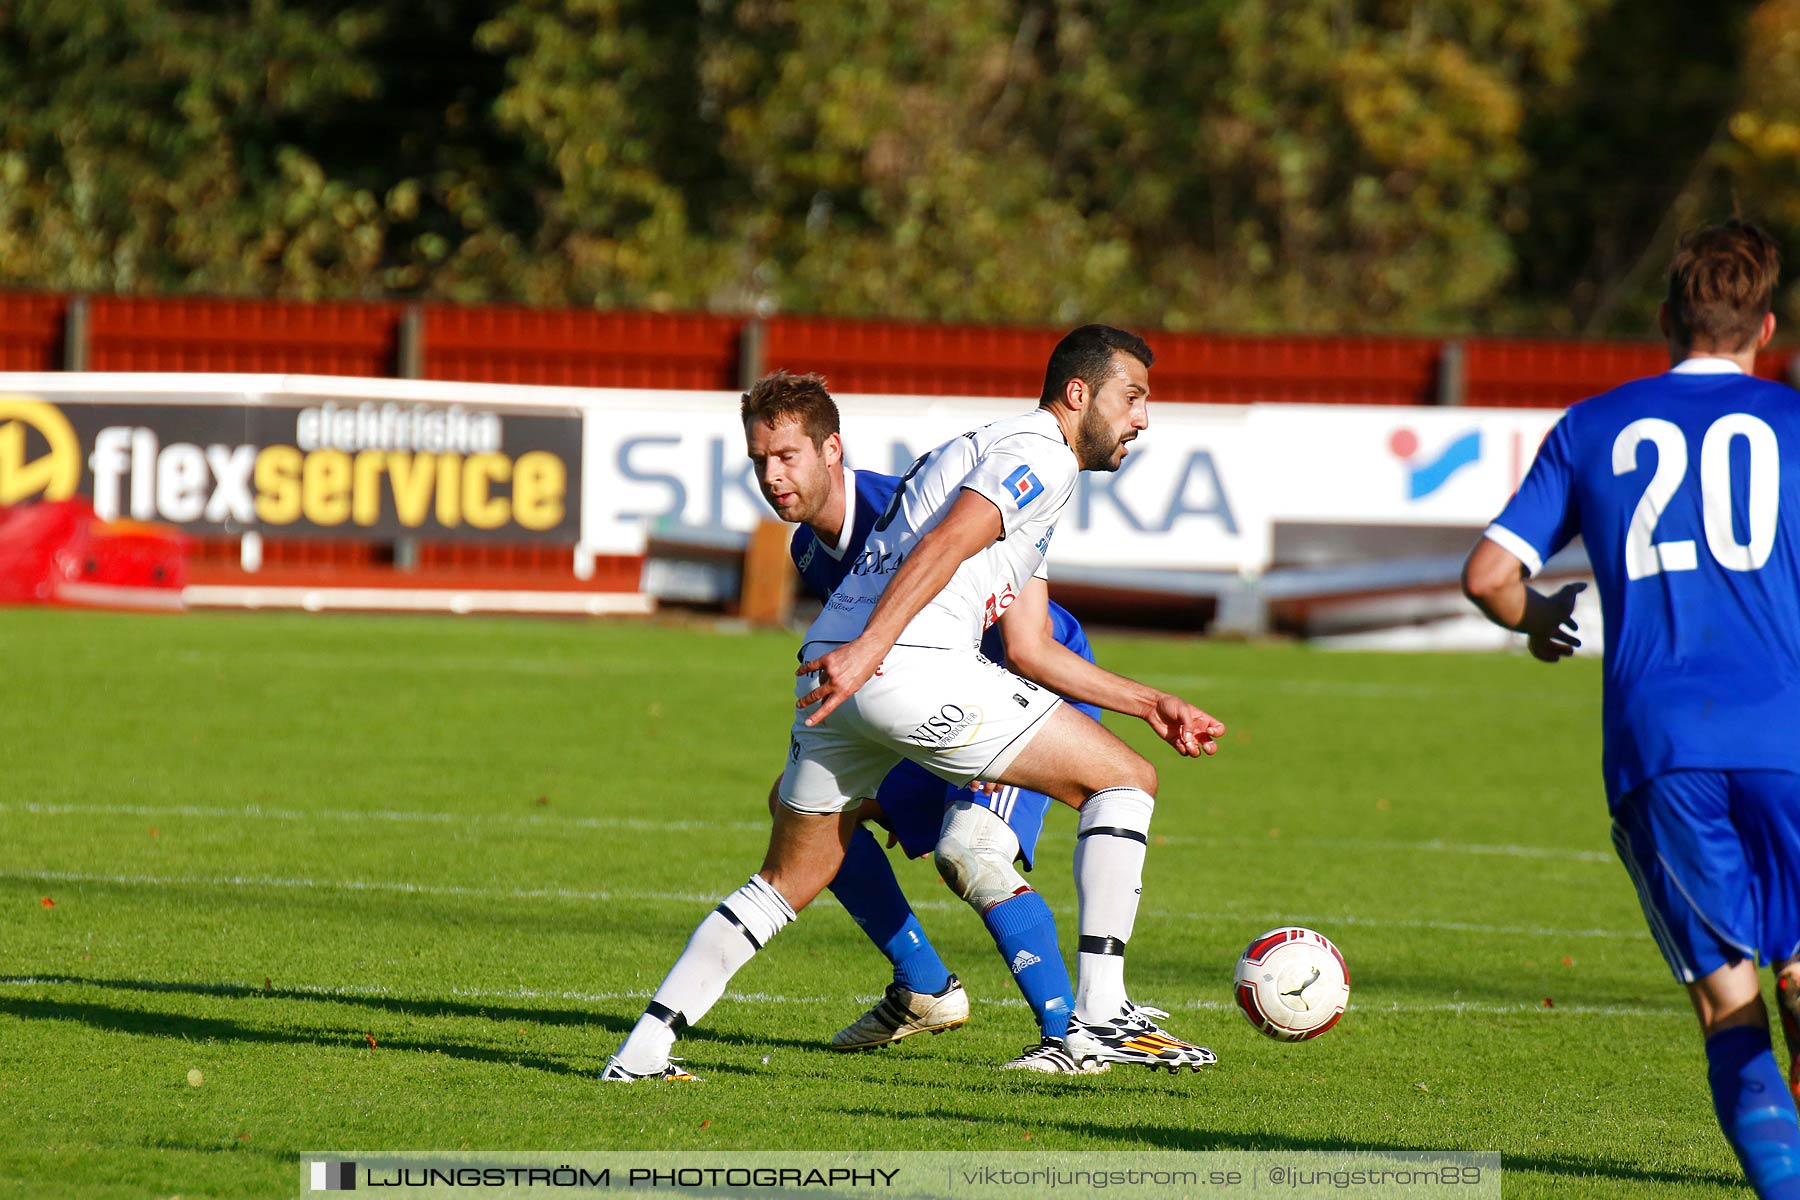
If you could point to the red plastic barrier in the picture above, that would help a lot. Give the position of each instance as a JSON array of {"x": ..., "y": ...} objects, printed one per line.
[{"x": 59, "y": 552}]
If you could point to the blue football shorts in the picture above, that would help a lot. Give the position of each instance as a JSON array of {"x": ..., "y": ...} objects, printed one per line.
[
  {"x": 913, "y": 801},
  {"x": 1715, "y": 856}
]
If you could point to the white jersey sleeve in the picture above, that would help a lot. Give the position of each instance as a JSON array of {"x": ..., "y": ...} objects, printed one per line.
[{"x": 1011, "y": 476}]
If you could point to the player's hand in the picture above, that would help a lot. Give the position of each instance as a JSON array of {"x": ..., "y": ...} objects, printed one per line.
[
  {"x": 840, "y": 672},
  {"x": 1550, "y": 625},
  {"x": 984, "y": 787},
  {"x": 1192, "y": 732},
  {"x": 870, "y": 812}
]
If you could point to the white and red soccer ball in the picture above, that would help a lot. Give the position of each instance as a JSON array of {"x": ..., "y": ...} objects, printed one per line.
[{"x": 1292, "y": 984}]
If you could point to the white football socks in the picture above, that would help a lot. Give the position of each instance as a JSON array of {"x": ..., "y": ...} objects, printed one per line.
[
  {"x": 727, "y": 939},
  {"x": 1111, "y": 839}
]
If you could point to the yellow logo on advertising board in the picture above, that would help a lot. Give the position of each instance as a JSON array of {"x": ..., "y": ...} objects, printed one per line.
[{"x": 56, "y": 474}]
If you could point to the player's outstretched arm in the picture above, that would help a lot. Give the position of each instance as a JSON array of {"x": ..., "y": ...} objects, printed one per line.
[
  {"x": 971, "y": 523},
  {"x": 1493, "y": 579},
  {"x": 1033, "y": 653}
]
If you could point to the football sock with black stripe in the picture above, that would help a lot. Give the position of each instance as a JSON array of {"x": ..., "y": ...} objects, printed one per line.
[
  {"x": 1111, "y": 839},
  {"x": 727, "y": 939}
]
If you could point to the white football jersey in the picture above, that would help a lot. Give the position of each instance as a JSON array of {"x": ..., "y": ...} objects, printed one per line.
[{"x": 1025, "y": 467}]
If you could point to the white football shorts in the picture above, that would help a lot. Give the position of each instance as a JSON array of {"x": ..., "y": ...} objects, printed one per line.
[{"x": 953, "y": 712}]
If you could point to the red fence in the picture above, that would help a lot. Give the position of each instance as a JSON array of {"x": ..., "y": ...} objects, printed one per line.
[
  {"x": 263, "y": 336},
  {"x": 689, "y": 351},
  {"x": 31, "y": 331},
  {"x": 579, "y": 349}
]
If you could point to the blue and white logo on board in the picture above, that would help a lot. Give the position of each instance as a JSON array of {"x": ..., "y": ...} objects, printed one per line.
[
  {"x": 1024, "y": 486},
  {"x": 1425, "y": 475}
]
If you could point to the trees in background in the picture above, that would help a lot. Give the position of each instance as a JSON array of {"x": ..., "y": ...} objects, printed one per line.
[{"x": 1431, "y": 165}]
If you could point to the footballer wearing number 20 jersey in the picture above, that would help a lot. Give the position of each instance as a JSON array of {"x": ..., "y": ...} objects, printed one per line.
[{"x": 1685, "y": 488}]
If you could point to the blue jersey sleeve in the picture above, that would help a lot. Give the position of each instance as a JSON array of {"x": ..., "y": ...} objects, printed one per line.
[{"x": 1542, "y": 516}]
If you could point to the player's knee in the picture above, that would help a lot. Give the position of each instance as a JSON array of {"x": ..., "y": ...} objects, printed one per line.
[
  {"x": 978, "y": 874},
  {"x": 1124, "y": 768},
  {"x": 1148, "y": 774},
  {"x": 1136, "y": 772}
]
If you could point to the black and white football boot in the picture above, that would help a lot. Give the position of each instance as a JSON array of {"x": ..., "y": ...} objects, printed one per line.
[
  {"x": 1133, "y": 1037},
  {"x": 1049, "y": 1057}
]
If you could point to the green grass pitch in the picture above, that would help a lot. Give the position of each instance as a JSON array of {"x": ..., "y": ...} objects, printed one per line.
[{"x": 403, "y": 883}]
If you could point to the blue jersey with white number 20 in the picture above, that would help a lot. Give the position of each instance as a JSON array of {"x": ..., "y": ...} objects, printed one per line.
[{"x": 1685, "y": 488}]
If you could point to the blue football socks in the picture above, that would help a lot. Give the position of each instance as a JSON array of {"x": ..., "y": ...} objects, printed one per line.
[
  {"x": 866, "y": 887},
  {"x": 1025, "y": 932},
  {"x": 1755, "y": 1110}
]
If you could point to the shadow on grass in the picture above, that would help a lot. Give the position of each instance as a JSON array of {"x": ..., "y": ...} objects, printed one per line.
[
  {"x": 195, "y": 1028},
  {"x": 234, "y": 1149},
  {"x": 439, "y": 1007}
]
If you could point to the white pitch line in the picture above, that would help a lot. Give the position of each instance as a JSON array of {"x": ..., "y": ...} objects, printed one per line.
[
  {"x": 357, "y": 885},
  {"x": 1430, "y": 846},
  {"x": 354, "y": 992},
  {"x": 541, "y": 821},
  {"x": 640, "y": 897},
  {"x": 406, "y": 816}
]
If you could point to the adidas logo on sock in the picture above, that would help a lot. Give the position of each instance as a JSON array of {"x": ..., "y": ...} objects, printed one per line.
[{"x": 1023, "y": 959}]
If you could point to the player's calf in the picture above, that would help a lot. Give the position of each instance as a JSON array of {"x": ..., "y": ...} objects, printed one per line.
[
  {"x": 805, "y": 851},
  {"x": 1111, "y": 840},
  {"x": 975, "y": 853},
  {"x": 728, "y": 938},
  {"x": 1787, "y": 1003}
]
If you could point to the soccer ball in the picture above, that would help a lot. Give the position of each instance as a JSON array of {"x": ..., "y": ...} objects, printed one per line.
[{"x": 1292, "y": 984}]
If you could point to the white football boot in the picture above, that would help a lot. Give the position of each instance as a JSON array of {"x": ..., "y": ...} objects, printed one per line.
[
  {"x": 903, "y": 1012},
  {"x": 670, "y": 1073}
]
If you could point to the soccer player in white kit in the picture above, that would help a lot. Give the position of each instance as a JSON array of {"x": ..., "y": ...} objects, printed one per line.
[{"x": 893, "y": 671}]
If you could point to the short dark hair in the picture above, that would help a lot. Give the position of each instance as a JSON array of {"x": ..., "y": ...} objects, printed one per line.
[
  {"x": 1722, "y": 284},
  {"x": 1087, "y": 354},
  {"x": 783, "y": 396}
]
